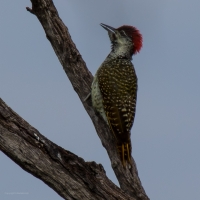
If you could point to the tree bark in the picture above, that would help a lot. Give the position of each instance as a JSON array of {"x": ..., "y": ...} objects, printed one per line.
[{"x": 66, "y": 173}]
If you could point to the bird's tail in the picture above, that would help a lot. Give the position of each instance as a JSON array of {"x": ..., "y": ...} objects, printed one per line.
[{"x": 124, "y": 150}]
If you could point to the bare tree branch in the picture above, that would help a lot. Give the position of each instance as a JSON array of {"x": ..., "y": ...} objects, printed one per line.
[
  {"x": 81, "y": 79},
  {"x": 69, "y": 175}
]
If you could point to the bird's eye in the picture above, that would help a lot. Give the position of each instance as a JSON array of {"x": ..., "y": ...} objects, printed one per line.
[{"x": 123, "y": 33}]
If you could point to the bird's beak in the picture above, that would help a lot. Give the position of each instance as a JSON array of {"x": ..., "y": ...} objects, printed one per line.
[{"x": 108, "y": 28}]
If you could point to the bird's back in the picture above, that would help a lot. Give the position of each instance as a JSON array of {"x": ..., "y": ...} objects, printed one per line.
[{"x": 117, "y": 82}]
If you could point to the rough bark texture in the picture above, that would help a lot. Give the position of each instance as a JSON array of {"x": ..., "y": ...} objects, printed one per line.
[
  {"x": 66, "y": 173},
  {"x": 69, "y": 175}
]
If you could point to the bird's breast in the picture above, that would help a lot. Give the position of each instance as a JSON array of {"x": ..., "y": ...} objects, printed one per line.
[{"x": 97, "y": 100}]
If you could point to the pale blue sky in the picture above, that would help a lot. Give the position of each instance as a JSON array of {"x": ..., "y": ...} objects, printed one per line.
[{"x": 166, "y": 132}]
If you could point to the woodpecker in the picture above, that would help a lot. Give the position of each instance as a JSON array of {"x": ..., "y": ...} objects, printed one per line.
[{"x": 114, "y": 88}]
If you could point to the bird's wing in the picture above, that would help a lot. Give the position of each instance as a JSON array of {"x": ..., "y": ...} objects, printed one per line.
[{"x": 118, "y": 86}]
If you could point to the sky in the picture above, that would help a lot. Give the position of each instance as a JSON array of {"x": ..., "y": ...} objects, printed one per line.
[{"x": 166, "y": 132}]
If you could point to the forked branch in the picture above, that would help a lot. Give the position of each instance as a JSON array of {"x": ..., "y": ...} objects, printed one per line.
[{"x": 65, "y": 172}]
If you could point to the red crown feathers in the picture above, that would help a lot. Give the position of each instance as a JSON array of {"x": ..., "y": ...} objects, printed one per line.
[{"x": 135, "y": 35}]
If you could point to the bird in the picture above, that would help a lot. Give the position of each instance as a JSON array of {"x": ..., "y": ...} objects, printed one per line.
[{"x": 114, "y": 87}]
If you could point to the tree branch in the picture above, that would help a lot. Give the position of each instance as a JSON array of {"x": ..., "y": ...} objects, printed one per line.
[
  {"x": 69, "y": 175},
  {"x": 81, "y": 79}
]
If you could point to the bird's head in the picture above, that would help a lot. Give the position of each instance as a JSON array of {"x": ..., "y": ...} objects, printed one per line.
[{"x": 125, "y": 37}]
